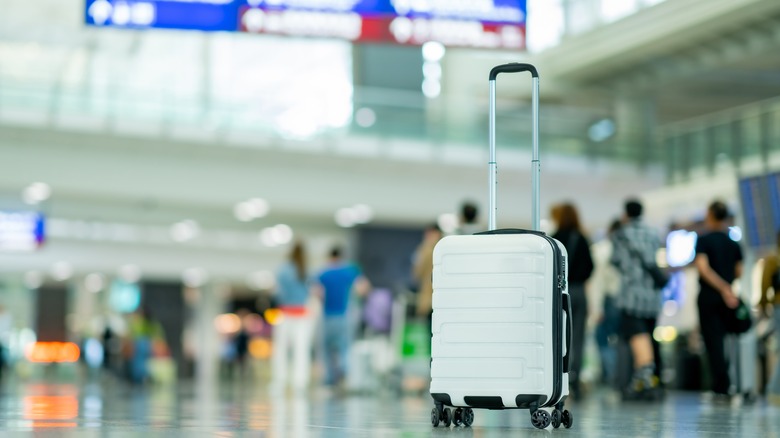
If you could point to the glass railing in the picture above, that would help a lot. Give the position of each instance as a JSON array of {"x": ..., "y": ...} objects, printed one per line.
[
  {"x": 742, "y": 139},
  {"x": 377, "y": 113}
]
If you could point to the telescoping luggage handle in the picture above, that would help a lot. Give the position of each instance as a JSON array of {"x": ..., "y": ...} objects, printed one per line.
[{"x": 514, "y": 67}]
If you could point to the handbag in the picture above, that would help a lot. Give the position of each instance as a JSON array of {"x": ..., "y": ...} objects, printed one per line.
[
  {"x": 738, "y": 320},
  {"x": 660, "y": 277}
]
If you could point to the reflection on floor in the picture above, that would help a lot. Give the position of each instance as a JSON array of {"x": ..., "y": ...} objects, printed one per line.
[{"x": 114, "y": 409}]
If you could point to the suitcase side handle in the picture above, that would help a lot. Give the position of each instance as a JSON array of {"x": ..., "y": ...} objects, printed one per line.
[
  {"x": 535, "y": 163},
  {"x": 567, "y": 310}
]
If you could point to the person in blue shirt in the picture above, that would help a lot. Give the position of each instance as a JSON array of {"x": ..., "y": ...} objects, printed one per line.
[
  {"x": 336, "y": 284},
  {"x": 294, "y": 333}
]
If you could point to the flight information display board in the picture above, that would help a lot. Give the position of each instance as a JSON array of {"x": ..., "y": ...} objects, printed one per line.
[
  {"x": 21, "y": 230},
  {"x": 496, "y": 24},
  {"x": 760, "y": 196}
]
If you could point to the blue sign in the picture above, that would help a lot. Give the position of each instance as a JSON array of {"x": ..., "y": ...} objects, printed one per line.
[
  {"x": 227, "y": 15},
  {"x": 21, "y": 231},
  {"x": 205, "y": 15}
]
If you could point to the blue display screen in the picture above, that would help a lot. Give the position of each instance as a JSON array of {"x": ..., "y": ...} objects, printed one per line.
[
  {"x": 224, "y": 15},
  {"x": 760, "y": 198},
  {"x": 205, "y": 15},
  {"x": 21, "y": 231}
]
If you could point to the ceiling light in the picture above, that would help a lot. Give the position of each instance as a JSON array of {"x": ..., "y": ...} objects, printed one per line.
[
  {"x": 365, "y": 117},
  {"x": 433, "y": 51},
  {"x": 194, "y": 277},
  {"x": 345, "y": 217},
  {"x": 261, "y": 280},
  {"x": 33, "y": 279},
  {"x": 252, "y": 209},
  {"x": 94, "y": 282},
  {"x": 36, "y": 193},
  {"x": 185, "y": 230},
  {"x": 362, "y": 213},
  {"x": 130, "y": 273},
  {"x": 62, "y": 271},
  {"x": 277, "y": 235},
  {"x": 448, "y": 222}
]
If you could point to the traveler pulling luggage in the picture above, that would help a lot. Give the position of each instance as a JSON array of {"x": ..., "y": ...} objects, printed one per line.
[{"x": 500, "y": 330}]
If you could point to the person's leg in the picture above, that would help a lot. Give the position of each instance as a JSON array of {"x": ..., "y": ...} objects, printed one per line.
[
  {"x": 344, "y": 341},
  {"x": 301, "y": 352},
  {"x": 643, "y": 381},
  {"x": 279, "y": 361},
  {"x": 773, "y": 388},
  {"x": 713, "y": 334},
  {"x": 325, "y": 348},
  {"x": 579, "y": 310}
]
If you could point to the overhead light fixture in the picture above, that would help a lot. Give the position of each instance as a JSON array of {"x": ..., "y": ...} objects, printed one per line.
[
  {"x": 280, "y": 234},
  {"x": 130, "y": 273},
  {"x": 62, "y": 271},
  {"x": 261, "y": 280},
  {"x": 365, "y": 117},
  {"x": 194, "y": 277},
  {"x": 448, "y": 222},
  {"x": 348, "y": 217},
  {"x": 185, "y": 230},
  {"x": 433, "y": 51},
  {"x": 36, "y": 193},
  {"x": 33, "y": 279},
  {"x": 601, "y": 130},
  {"x": 250, "y": 210},
  {"x": 94, "y": 282}
]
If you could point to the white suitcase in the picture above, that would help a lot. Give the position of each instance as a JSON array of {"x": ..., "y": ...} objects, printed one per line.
[{"x": 500, "y": 329}]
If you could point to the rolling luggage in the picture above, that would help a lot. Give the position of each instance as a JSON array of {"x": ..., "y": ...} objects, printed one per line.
[{"x": 500, "y": 330}]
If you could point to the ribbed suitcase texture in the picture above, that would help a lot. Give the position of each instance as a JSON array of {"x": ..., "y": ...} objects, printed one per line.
[{"x": 493, "y": 321}]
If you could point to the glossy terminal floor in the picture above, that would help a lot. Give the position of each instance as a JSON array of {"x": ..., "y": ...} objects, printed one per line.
[{"x": 112, "y": 409}]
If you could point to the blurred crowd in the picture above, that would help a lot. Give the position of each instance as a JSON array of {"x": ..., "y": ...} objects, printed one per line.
[{"x": 333, "y": 329}]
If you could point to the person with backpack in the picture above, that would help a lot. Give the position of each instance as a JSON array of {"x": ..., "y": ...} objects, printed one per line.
[
  {"x": 771, "y": 280},
  {"x": 639, "y": 300},
  {"x": 570, "y": 234}
]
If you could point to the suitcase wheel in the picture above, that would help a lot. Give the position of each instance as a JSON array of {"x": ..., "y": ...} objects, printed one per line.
[
  {"x": 443, "y": 416},
  {"x": 467, "y": 417},
  {"x": 457, "y": 417},
  {"x": 463, "y": 417},
  {"x": 540, "y": 419},
  {"x": 556, "y": 419},
  {"x": 567, "y": 419},
  {"x": 446, "y": 417}
]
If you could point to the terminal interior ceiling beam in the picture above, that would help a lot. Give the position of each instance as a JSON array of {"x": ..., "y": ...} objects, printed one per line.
[{"x": 660, "y": 51}]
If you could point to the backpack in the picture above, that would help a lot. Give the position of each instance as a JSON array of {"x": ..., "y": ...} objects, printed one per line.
[{"x": 776, "y": 280}]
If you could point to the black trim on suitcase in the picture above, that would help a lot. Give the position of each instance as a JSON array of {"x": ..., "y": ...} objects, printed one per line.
[
  {"x": 489, "y": 402},
  {"x": 526, "y": 401},
  {"x": 442, "y": 398},
  {"x": 567, "y": 309}
]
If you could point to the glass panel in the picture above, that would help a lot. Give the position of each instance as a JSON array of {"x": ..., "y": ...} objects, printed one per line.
[{"x": 751, "y": 136}]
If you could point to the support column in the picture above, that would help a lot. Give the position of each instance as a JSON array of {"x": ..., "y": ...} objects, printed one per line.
[
  {"x": 635, "y": 121},
  {"x": 207, "y": 306}
]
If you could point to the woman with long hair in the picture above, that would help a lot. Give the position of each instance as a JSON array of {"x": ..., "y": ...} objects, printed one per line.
[
  {"x": 294, "y": 333},
  {"x": 569, "y": 233}
]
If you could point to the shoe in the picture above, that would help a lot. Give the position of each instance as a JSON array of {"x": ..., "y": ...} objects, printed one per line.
[{"x": 643, "y": 390}]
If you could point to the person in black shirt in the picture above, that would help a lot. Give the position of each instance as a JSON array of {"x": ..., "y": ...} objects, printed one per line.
[
  {"x": 719, "y": 262},
  {"x": 580, "y": 263}
]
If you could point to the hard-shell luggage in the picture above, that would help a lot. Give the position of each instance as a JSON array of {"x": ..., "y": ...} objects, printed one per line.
[{"x": 500, "y": 328}]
